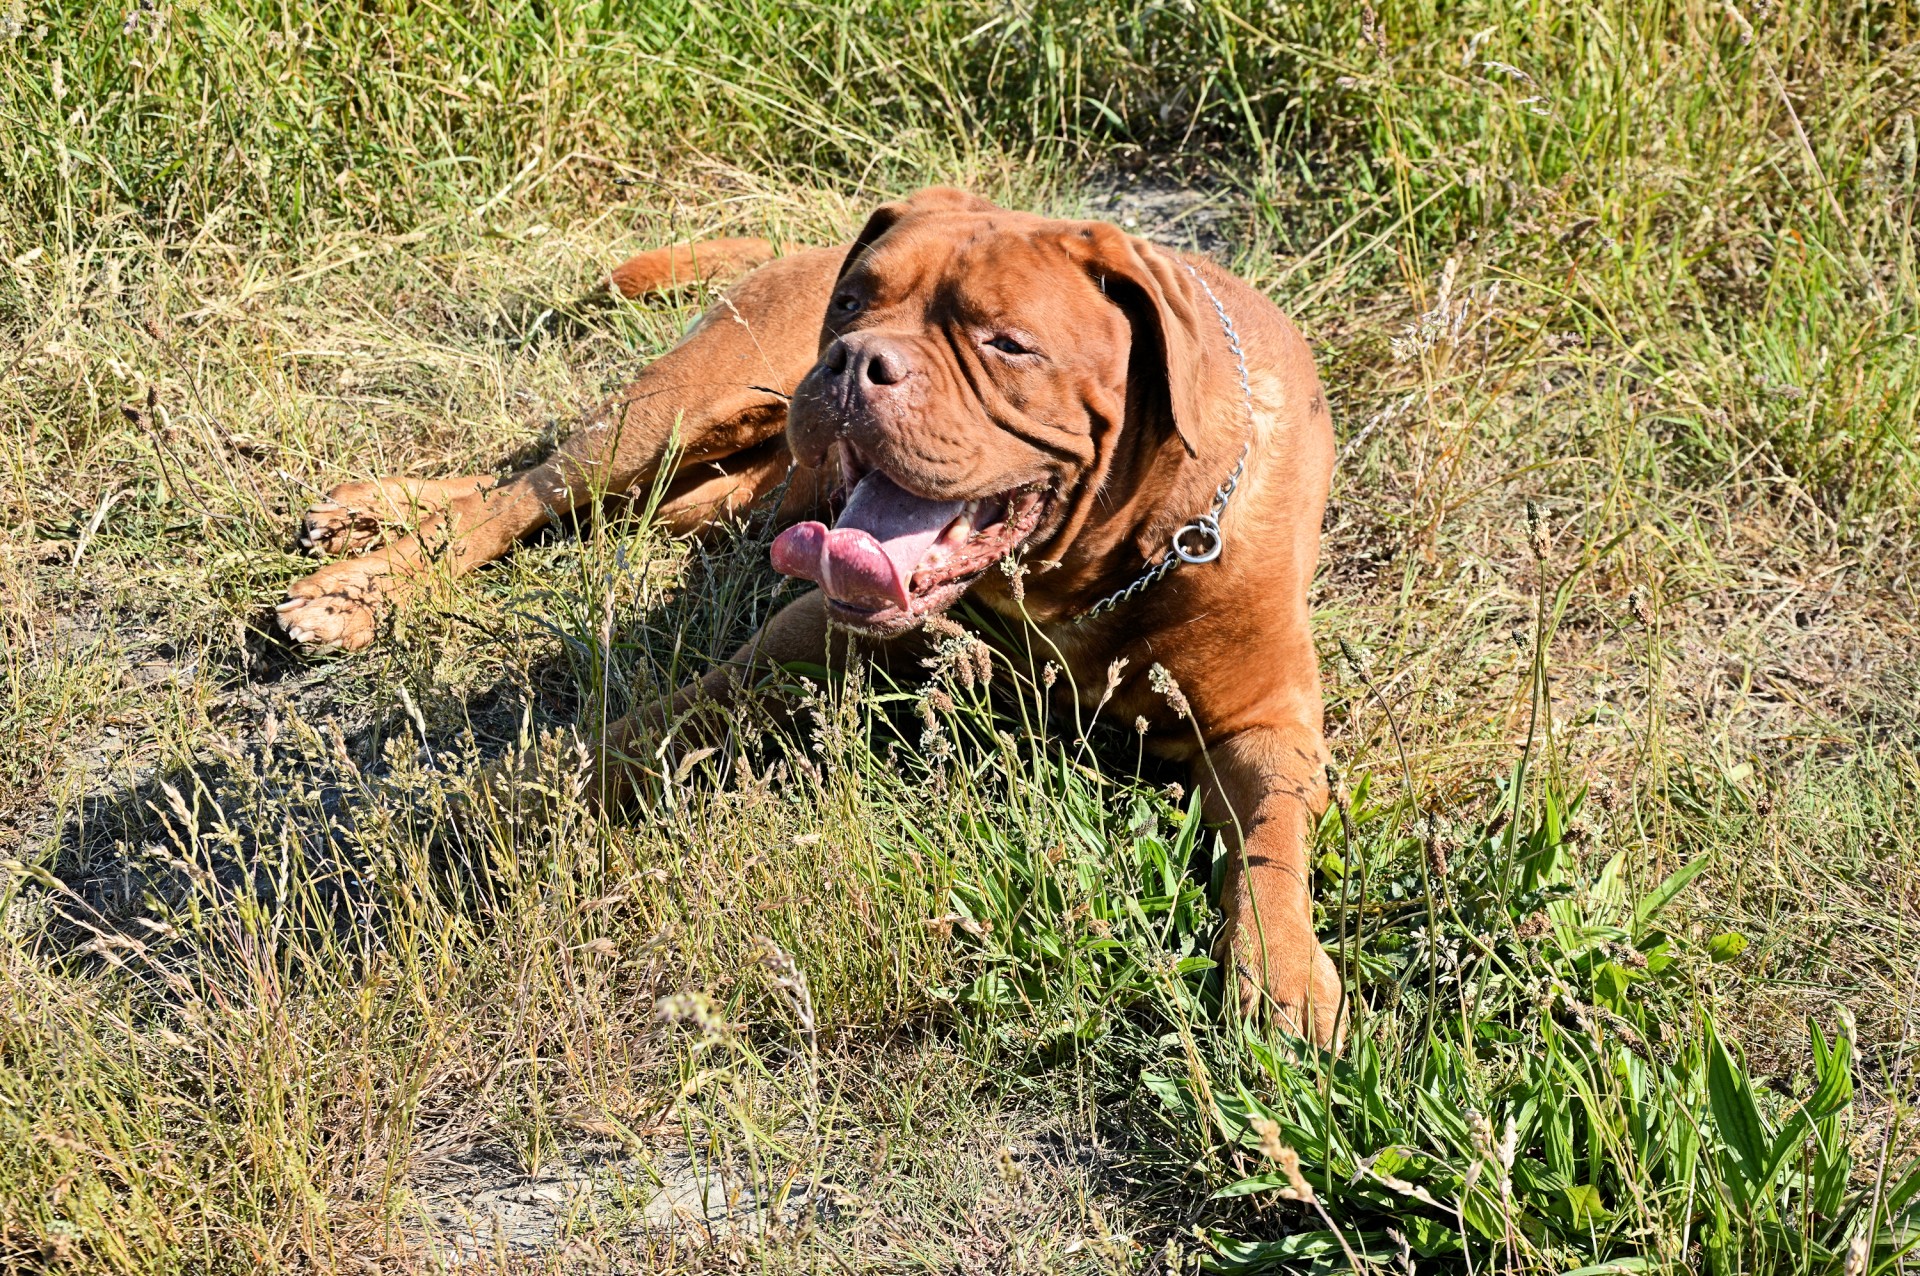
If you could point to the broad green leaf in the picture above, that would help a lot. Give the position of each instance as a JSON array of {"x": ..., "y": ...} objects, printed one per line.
[
  {"x": 1428, "y": 1237},
  {"x": 1832, "y": 1168},
  {"x": 1608, "y": 893},
  {"x": 1482, "y": 1210},
  {"x": 1248, "y": 1186},
  {"x": 1727, "y": 945},
  {"x": 1235, "y": 1255},
  {"x": 1610, "y": 981},
  {"x": 1833, "y": 1067},
  {"x": 1557, "y": 1138},
  {"x": 1737, "y": 1117},
  {"x": 1168, "y": 1091},
  {"x": 1791, "y": 1136},
  {"x": 1663, "y": 894},
  {"x": 1826, "y": 1106},
  {"x": 1584, "y": 1204}
]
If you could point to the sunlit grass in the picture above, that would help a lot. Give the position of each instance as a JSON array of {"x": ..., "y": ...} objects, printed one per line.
[{"x": 1616, "y": 306}]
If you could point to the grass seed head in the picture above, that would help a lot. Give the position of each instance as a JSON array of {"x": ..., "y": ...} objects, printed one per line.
[
  {"x": 1298, "y": 1189},
  {"x": 1480, "y": 1130},
  {"x": 1016, "y": 574},
  {"x": 1438, "y": 860},
  {"x": 1269, "y": 1131},
  {"x": 1164, "y": 684},
  {"x": 1273, "y": 1150},
  {"x": 1857, "y": 1254}
]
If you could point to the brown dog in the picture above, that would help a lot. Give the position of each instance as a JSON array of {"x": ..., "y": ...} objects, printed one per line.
[{"x": 976, "y": 384}]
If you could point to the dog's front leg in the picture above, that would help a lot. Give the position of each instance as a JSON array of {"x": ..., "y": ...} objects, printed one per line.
[
  {"x": 704, "y": 713},
  {"x": 719, "y": 394},
  {"x": 1268, "y": 786}
]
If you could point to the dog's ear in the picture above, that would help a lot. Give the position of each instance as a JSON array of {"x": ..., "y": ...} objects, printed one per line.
[
  {"x": 934, "y": 199},
  {"x": 1162, "y": 301}
]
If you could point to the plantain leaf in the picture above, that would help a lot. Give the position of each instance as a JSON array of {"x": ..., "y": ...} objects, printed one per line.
[
  {"x": 1660, "y": 896},
  {"x": 1737, "y": 1117},
  {"x": 1833, "y": 1067}
]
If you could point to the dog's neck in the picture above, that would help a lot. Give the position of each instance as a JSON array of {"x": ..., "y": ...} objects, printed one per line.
[{"x": 1112, "y": 536}]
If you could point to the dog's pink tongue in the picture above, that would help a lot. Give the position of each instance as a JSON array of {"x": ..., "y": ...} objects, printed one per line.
[{"x": 868, "y": 557}]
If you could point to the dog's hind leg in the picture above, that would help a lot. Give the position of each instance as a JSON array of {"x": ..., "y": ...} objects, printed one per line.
[
  {"x": 722, "y": 391},
  {"x": 662, "y": 271}
]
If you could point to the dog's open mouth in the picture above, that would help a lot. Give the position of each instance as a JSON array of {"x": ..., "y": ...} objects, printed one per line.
[{"x": 894, "y": 558}]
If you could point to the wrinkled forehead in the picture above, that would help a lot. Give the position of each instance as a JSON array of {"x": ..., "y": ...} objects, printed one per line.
[{"x": 975, "y": 267}]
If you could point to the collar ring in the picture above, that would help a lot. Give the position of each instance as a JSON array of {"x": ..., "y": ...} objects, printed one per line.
[{"x": 1205, "y": 530}]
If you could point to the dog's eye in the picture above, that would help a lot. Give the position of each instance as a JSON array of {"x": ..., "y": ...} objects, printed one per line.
[
  {"x": 1007, "y": 345},
  {"x": 846, "y": 303}
]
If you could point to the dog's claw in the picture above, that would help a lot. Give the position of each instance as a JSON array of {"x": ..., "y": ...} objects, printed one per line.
[
  {"x": 333, "y": 530},
  {"x": 323, "y": 614}
]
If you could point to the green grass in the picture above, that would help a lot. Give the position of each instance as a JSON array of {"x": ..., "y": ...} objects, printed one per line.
[{"x": 1616, "y": 305}]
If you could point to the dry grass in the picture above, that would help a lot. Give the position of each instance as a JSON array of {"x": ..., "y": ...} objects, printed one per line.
[{"x": 255, "y": 1015}]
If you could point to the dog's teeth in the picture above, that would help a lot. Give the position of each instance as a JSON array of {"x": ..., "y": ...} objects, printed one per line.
[{"x": 289, "y": 605}]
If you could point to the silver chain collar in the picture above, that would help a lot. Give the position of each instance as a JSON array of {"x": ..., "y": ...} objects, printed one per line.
[{"x": 1201, "y": 540}]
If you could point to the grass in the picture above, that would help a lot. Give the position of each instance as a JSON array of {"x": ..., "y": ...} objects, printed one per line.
[{"x": 1617, "y": 308}]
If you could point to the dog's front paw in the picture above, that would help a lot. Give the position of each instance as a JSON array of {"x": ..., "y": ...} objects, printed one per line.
[
  {"x": 333, "y": 530},
  {"x": 1285, "y": 973},
  {"x": 331, "y": 611}
]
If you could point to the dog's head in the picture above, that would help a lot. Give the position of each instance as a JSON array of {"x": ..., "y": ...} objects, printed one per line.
[{"x": 985, "y": 378}]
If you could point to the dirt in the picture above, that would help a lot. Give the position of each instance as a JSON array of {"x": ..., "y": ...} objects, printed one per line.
[
  {"x": 607, "y": 1202},
  {"x": 481, "y": 1206},
  {"x": 1166, "y": 211}
]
